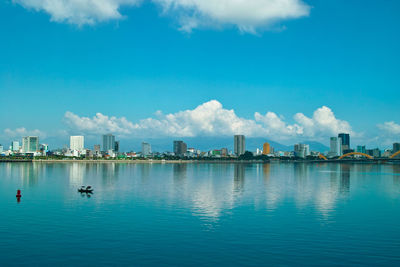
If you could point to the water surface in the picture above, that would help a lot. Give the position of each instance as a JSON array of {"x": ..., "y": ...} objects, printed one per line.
[{"x": 200, "y": 214}]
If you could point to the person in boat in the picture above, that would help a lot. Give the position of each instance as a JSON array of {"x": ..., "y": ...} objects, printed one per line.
[{"x": 85, "y": 189}]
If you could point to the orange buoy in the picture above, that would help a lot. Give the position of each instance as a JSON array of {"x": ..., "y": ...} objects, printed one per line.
[{"x": 19, "y": 193}]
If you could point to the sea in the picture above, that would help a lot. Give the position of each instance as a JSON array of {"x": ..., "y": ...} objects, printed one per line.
[{"x": 200, "y": 214}]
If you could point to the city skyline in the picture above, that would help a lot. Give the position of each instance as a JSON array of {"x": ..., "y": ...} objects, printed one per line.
[{"x": 339, "y": 147}]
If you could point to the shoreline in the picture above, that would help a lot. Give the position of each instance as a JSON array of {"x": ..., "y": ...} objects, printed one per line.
[{"x": 152, "y": 161}]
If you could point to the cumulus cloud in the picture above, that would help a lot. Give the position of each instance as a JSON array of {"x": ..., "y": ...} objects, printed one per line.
[
  {"x": 21, "y": 132},
  {"x": 246, "y": 15},
  {"x": 212, "y": 119},
  {"x": 99, "y": 124},
  {"x": 390, "y": 127},
  {"x": 323, "y": 122},
  {"x": 79, "y": 12}
]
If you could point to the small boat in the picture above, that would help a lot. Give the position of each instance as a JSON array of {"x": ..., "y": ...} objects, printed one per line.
[{"x": 85, "y": 189}]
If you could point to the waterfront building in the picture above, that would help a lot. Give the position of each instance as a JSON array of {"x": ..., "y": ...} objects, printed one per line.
[
  {"x": 361, "y": 149},
  {"x": 387, "y": 153},
  {"x": 77, "y": 142},
  {"x": 224, "y": 152},
  {"x": 266, "y": 149},
  {"x": 239, "y": 145},
  {"x": 108, "y": 142},
  {"x": 216, "y": 153},
  {"x": 96, "y": 149},
  {"x": 301, "y": 150},
  {"x": 345, "y": 141},
  {"x": 335, "y": 147},
  {"x": 15, "y": 146},
  {"x": 116, "y": 146},
  {"x": 376, "y": 153},
  {"x": 396, "y": 147},
  {"x": 30, "y": 144},
  {"x": 180, "y": 148},
  {"x": 88, "y": 153},
  {"x": 44, "y": 148},
  {"x": 146, "y": 149}
]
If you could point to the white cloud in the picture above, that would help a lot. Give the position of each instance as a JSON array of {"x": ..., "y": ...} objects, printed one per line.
[
  {"x": 99, "y": 124},
  {"x": 322, "y": 123},
  {"x": 390, "y": 127},
  {"x": 212, "y": 119},
  {"x": 275, "y": 126},
  {"x": 79, "y": 12},
  {"x": 21, "y": 132},
  {"x": 246, "y": 15}
]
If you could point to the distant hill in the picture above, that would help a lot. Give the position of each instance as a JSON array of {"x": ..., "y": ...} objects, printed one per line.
[
  {"x": 202, "y": 143},
  {"x": 316, "y": 146},
  {"x": 209, "y": 143}
]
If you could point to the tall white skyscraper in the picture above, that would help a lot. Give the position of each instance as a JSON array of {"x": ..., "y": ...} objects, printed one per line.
[
  {"x": 239, "y": 144},
  {"x": 146, "y": 149},
  {"x": 77, "y": 142},
  {"x": 30, "y": 144},
  {"x": 14, "y": 146},
  {"x": 335, "y": 147}
]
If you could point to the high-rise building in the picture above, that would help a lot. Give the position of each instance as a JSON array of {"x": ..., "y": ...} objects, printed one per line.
[
  {"x": 15, "y": 146},
  {"x": 116, "y": 146},
  {"x": 396, "y": 147},
  {"x": 345, "y": 141},
  {"x": 376, "y": 153},
  {"x": 146, "y": 149},
  {"x": 180, "y": 148},
  {"x": 239, "y": 144},
  {"x": 335, "y": 147},
  {"x": 266, "y": 149},
  {"x": 301, "y": 150},
  {"x": 361, "y": 149},
  {"x": 77, "y": 142},
  {"x": 108, "y": 142},
  {"x": 30, "y": 144}
]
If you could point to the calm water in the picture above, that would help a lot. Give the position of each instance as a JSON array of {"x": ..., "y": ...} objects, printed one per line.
[{"x": 200, "y": 214}]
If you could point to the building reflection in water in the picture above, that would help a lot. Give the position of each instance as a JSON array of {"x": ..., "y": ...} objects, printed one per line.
[
  {"x": 301, "y": 173},
  {"x": 179, "y": 173},
  {"x": 396, "y": 175},
  {"x": 334, "y": 170},
  {"x": 345, "y": 178},
  {"x": 29, "y": 173},
  {"x": 238, "y": 177},
  {"x": 266, "y": 168},
  {"x": 145, "y": 172},
  {"x": 76, "y": 174},
  {"x": 109, "y": 173}
]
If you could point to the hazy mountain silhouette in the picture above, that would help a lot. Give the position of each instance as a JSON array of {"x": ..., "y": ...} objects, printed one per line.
[{"x": 209, "y": 143}]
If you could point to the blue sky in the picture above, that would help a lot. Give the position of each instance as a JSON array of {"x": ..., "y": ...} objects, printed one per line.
[{"x": 343, "y": 55}]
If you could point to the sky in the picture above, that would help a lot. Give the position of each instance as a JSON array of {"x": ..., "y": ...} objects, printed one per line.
[{"x": 286, "y": 70}]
